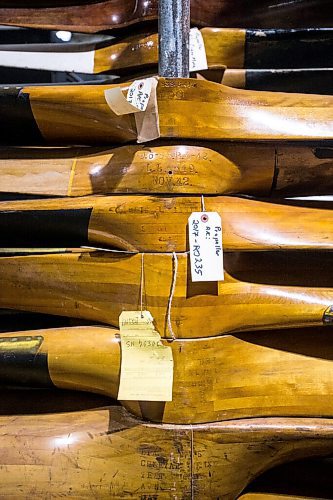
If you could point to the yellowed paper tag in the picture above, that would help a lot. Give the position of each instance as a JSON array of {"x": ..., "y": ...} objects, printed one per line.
[
  {"x": 136, "y": 320},
  {"x": 146, "y": 364}
]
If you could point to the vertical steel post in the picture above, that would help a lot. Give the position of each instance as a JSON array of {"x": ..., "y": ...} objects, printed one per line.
[{"x": 174, "y": 34}]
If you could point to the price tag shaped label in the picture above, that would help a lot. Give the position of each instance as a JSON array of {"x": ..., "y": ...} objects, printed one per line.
[
  {"x": 198, "y": 58},
  {"x": 206, "y": 250},
  {"x": 146, "y": 372}
]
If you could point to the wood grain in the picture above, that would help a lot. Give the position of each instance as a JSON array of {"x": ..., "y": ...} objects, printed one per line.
[
  {"x": 90, "y": 17},
  {"x": 224, "y": 47},
  {"x": 228, "y": 47},
  {"x": 98, "y": 286},
  {"x": 169, "y": 168},
  {"x": 233, "y": 48},
  {"x": 105, "y": 452},
  {"x": 73, "y": 115},
  {"x": 110, "y": 14},
  {"x": 258, "y": 374},
  {"x": 160, "y": 224}
]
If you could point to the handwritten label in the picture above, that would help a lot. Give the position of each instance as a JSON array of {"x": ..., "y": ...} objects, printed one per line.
[
  {"x": 139, "y": 93},
  {"x": 140, "y": 99},
  {"x": 146, "y": 364},
  {"x": 206, "y": 251},
  {"x": 136, "y": 100},
  {"x": 198, "y": 58}
]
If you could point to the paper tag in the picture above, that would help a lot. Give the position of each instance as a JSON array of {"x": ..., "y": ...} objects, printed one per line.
[
  {"x": 146, "y": 364},
  {"x": 148, "y": 123},
  {"x": 198, "y": 58},
  {"x": 206, "y": 251},
  {"x": 136, "y": 320},
  {"x": 137, "y": 98},
  {"x": 139, "y": 92},
  {"x": 141, "y": 100}
]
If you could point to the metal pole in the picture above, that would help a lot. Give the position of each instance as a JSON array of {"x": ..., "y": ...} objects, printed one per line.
[{"x": 174, "y": 34}]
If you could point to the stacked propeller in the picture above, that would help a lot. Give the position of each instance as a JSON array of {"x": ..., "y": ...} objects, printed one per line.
[{"x": 98, "y": 189}]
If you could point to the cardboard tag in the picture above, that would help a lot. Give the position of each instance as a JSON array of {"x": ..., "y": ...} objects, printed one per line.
[
  {"x": 146, "y": 364},
  {"x": 206, "y": 250},
  {"x": 198, "y": 58}
]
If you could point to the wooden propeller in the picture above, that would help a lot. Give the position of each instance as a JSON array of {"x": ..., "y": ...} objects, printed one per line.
[
  {"x": 92, "y": 16},
  {"x": 160, "y": 224},
  {"x": 98, "y": 286},
  {"x": 258, "y": 374},
  {"x": 169, "y": 168},
  {"x": 81, "y": 114},
  {"x": 104, "y": 452},
  {"x": 231, "y": 47}
]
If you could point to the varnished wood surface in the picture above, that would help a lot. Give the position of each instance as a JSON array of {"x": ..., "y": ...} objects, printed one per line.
[
  {"x": 225, "y": 47},
  {"x": 90, "y": 17},
  {"x": 108, "y": 14},
  {"x": 258, "y": 374},
  {"x": 106, "y": 453},
  {"x": 161, "y": 168},
  {"x": 160, "y": 224},
  {"x": 203, "y": 168},
  {"x": 81, "y": 114},
  {"x": 98, "y": 286}
]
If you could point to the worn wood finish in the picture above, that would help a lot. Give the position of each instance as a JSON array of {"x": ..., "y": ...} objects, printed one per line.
[
  {"x": 108, "y": 14},
  {"x": 81, "y": 114},
  {"x": 105, "y": 452},
  {"x": 231, "y": 47},
  {"x": 99, "y": 285},
  {"x": 160, "y": 224},
  {"x": 257, "y": 374},
  {"x": 166, "y": 168}
]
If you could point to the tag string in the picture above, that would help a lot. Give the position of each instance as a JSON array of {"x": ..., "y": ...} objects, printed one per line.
[
  {"x": 203, "y": 209},
  {"x": 172, "y": 292},
  {"x": 141, "y": 284}
]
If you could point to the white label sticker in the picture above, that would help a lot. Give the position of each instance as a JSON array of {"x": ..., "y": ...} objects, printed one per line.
[
  {"x": 139, "y": 92},
  {"x": 198, "y": 58},
  {"x": 206, "y": 251}
]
